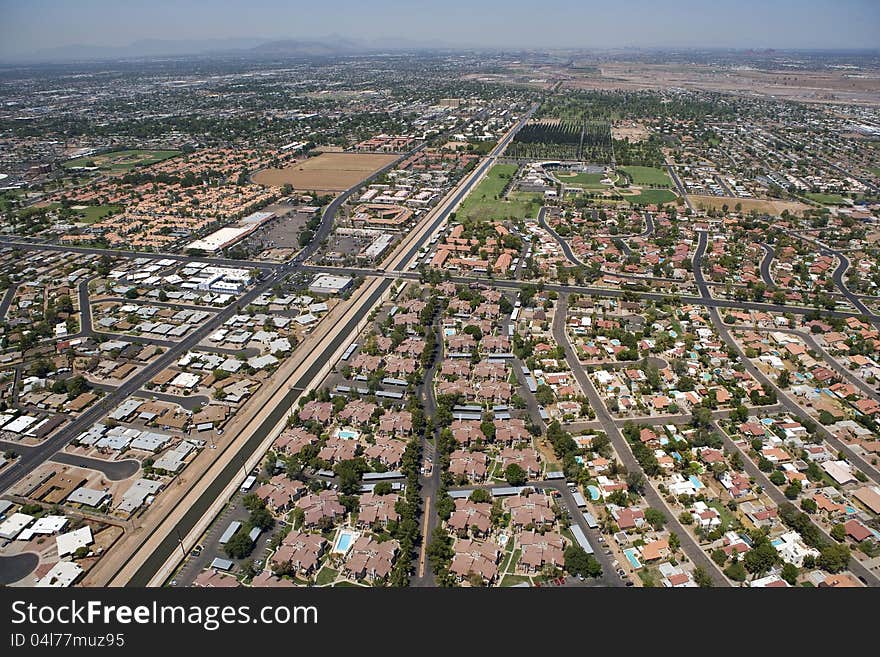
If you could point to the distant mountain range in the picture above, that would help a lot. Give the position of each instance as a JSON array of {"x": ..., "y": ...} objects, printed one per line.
[{"x": 314, "y": 47}]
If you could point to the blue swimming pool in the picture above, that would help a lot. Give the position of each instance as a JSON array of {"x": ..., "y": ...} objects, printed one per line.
[
  {"x": 696, "y": 482},
  {"x": 346, "y": 538},
  {"x": 631, "y": 556},
  {"x": 347, "y": 434},
  {"x": 593, "y": 491}
]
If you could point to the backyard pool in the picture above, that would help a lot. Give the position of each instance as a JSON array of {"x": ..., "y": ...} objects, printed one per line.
[
  {"x": 593, "y": 491},
  {"x": 696, "y": 482},
  {"x": 630, "y": 554}
]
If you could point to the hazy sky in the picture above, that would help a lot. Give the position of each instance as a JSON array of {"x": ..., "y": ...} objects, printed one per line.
[{"x": 27, "y": 26}]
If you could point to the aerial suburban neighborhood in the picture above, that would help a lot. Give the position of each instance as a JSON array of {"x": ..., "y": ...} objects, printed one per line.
[{"x": 528, "y": 318}]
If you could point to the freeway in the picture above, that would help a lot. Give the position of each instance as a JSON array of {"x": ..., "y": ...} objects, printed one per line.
[{"x": 609, "y": 426}]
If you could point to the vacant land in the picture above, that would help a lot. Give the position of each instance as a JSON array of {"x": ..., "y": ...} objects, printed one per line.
[
  {"x": 827, "y": 199},
  {"x": 650, "y": 176},
  {"x": 328, "y": 172},
  {"x": 121, "y": 161},
  {"x": 487, "y": 200},
  {"x": 769, "y": 206}
]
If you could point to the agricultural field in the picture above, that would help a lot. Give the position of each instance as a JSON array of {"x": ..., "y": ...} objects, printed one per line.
[
  {"x": 120, "y": 161},
  {"x": 568, "y": 139},
  {"x": 487, "y": 200},
  {"x": 650, "y": 176},
  {"x": 326, "y": 173}
]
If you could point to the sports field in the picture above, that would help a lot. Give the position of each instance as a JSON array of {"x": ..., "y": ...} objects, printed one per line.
[
  {"x": 328, "y": 172},
  {"x": 647, "y": 175},
  {"x": 651, "y": 196},
  {"x": 94, "y": 213},
  {"x": 591, "y": 180},
  {"x": 121, "y": 161},
  {"x": 485, "y": 202},
  {"x": 827, "y": 199}
]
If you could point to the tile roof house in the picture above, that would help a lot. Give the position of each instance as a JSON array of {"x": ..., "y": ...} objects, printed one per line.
[
  {"x": 471, "y": 516},
  {"x": 539, "y": 550},
  {"x": 319, "y": 506},
  {"x": 370, "y": 559},
  {"x": 377, "y": 509},
  {"x": 475, "y": 557},
  {"x": 300, "y": 552}
]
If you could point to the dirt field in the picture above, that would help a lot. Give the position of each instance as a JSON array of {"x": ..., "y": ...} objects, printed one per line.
[
  {"x": 635, "y": 132},
  {"x": 769, "y": 206},
  {"x": 328, "y": 172}
]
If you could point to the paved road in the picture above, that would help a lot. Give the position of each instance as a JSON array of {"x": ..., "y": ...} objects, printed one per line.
[
  {"x": 688, "y": 544},
  {"x": 17, "y": 566},
  {"x": 113, "y": 470},
  {"x": 769, "y": 254},
  {"x": 7, "y": 300},
  {"x": 779, "y": 498},
  {"x": 671, "y": 169}
]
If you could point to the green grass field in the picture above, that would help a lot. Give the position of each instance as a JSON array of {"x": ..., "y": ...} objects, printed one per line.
[
  {"x": 325, "y": 576},
  {"x": 827, "y": 199},
  {"x": 647, "y": 175},
  {"x": 95, "y": 213},
  {"x": 649, "y": 196},
  {"x": 876, "y": 171},
  {"x": 484, "y": 203},
  {"x": 593, "y": 180},
  {"x": 513, "y": 580},
  {"x": 120, "y": 161}
]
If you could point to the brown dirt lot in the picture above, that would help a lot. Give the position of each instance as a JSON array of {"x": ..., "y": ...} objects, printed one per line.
[
  {"x": 328, "y": 172},
  {"x": 770, "y": 206}
]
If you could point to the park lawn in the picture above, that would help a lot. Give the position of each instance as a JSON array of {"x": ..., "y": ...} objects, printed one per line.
[
  {"x": 510, "y": 564},
  {"x": 513, "y": 580},
  {"x": 325, "y": 576},
  {"x": 345, "y": 583},
  {"x": 647, "y": 175},
  {"x": 484, "y": 203},
  {"x": 120, "y": 161},
  {"x": 649, "y": 196},
  {"x": 95, "y": 213},
  {"x": 826, "y": 199}
]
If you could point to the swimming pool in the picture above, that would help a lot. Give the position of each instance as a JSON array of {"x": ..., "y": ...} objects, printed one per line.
[
  {"x": 593, "y": 491},
  {"x": 347, "y": 434},
  {"x": 776, "y": 542},
  {"x": 630, "y": 554},
  {"x": 696, "y": 482},
  {"x": 344, "y": 541},
  {"x": 448, "y": 331}
]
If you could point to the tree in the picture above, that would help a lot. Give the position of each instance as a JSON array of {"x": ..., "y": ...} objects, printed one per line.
[
  {"x": 578, "y": 562},
  {"x": 655, "y": 518},
  {"x": 635, "y": 481},
  {"x": 515, "y": 475},
  {"x": 262, "y": 518},
  {"x": 481, "y": 495},
  {"x": 790, "y": 573},
  {"x": 834, "y": 558},
  {"x": 761, "y": 558},
  {"x": 702, "y": 578},
  {"x": 777, "y": 477},
  {"x": 719, "y": 556},
  {"x": 838, "y": 532},
  {"x": 239, "y": 546},
  {"x": 809, "y": 505},
  {"x": 784, "y": 378},
  {"x": 736, "y": 572},
  {"x": 382, "y": 488}
]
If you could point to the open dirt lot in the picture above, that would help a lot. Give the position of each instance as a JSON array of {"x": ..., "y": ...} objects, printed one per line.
[
  {"x": 770, "y": 206},
  {"x": 328, "y": 172}
]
